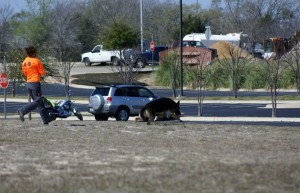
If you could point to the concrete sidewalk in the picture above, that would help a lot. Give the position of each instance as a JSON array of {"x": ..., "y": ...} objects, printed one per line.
[{"x": 89, "y": 117}]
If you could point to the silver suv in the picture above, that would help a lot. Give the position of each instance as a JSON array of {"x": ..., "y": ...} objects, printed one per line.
[{"x": 119, "y": 101}]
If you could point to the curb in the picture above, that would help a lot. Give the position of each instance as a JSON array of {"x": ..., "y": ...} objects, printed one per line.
[{"x": 88, "y": 117}]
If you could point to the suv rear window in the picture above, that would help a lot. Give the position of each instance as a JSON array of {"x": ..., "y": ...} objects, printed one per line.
[{"x": 101, "y": 91}]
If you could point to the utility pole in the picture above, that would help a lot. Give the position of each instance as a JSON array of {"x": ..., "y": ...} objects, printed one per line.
[
  {"x": 181, "y": 67},
  {"x": 141, "y": 10}
]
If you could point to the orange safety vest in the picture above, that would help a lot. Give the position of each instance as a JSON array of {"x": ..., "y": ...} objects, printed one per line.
[{"x": 33, "y": 69}]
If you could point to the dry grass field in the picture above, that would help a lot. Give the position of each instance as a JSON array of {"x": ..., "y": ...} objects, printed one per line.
[{"x": 124, "y": 157}]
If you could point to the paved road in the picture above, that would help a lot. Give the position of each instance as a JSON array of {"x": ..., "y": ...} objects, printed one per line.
[
  {"x": 59, "y": 90},
  {"x": 79, "y": 68},
  {"x": 220, "y": 109}
]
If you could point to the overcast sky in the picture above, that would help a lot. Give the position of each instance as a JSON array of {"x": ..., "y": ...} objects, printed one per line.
[{"x": 17, "y": 5}]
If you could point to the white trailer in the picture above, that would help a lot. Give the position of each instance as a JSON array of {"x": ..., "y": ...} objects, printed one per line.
[{"x": 238, "y": 39}]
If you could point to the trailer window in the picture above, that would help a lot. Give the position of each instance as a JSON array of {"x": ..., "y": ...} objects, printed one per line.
[
  {"x": 269, "y": 46},
  {"x": 193, "y": 44}
]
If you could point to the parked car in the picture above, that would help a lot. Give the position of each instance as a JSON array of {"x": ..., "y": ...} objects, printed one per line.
[
  {"x": 99, "y": 55},
  {"x": 140, "y": 60},
  {"x": 118, "y": 101}
]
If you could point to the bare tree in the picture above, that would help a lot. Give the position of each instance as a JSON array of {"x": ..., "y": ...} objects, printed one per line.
[
  {"x": 64, "y": 38},
  {"x": 162, "y": 20},
  {"x": 169, "y": 69},
  {"x": 15, "y": 56},
  {"x": 174, "y": 70},
  {"x": 5, "y": 29},
  {"x": 96, "y": 15},
  {"x": 234, "y": 12},
  {"x": 127, "y": 70},
  {"x": 120, "y": 36},
  {"x": 262, "y": 19},
  {"x": 197, "y": 68},
  {"x": 233, "y": 61},
  {"x": 292, "y": 61},
  {"x": 9, "y": 54},
  {"x": 274, "y": 70}
]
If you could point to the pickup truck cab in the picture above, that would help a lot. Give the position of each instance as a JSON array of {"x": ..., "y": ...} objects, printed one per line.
[
  {"x": 99, "y": 55},
  {"x": 140, "y": 60},
  {"x": 147, "y": 55}
]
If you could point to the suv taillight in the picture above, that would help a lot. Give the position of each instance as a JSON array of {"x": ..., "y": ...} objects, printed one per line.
[{"x": 109, "y": 99}]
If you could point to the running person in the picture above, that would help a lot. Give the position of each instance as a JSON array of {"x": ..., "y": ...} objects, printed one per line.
[{"x": 33, "y": 70}]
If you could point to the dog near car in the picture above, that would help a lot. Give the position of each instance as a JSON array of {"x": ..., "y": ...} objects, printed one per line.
[{"x": 159, "y": 107}]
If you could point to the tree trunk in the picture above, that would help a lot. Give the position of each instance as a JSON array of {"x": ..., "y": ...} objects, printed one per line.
[
  {"x": 274, "y": 102},
  {"x": 234, "y": 86},
  {"x": 298, "y": 85},
  {"x": 200, "y": 101},
  {"x": 67, "y": 88},
  {"x": 173, "y": 83},
  {"x": 199, "y": 93},
  {"x": 235, "y": 93},
  {"x": 234, "y": 90}
]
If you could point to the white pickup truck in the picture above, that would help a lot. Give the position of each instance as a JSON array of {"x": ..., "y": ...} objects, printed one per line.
[{"x": 98, "y": 55}]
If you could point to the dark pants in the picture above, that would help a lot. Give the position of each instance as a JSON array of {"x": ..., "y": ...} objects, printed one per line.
[{"x": 35, "y": 92}]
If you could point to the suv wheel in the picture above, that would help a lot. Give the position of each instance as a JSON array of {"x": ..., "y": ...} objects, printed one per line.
[
  {"x": 122, "y": 114},
  {"x": 101, "y": 117},
  {"x": 140, "y": 63},
  {"x": 87, "y": 62}
]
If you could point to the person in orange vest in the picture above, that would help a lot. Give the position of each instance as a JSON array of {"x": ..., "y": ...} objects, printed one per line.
[{"x": 33, "y": 70}]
